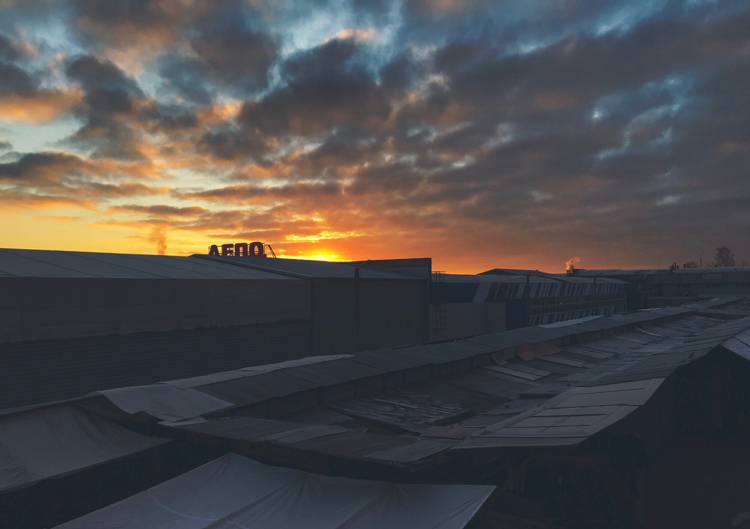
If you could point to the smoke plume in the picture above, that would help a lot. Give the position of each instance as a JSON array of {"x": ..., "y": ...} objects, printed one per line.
[
  {"x": 570, "y": 263},
  {"x": 159, "y": 236}
]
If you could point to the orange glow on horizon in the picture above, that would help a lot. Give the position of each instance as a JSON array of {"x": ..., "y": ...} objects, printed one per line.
[{"x": 75, "y": 229}]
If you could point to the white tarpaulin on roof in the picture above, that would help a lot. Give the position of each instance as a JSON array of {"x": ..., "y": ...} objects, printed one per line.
[
  {"x": 176, "y": 400},
  {"x": 49, "y": 442},
  {"x": 164, "y": 401},
  {"x": 235, "y": 492}
]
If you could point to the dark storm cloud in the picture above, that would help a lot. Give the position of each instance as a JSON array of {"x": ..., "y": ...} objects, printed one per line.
[
  {"x": 61, "y": 172},
  {"x": 187, "y": 77},
  {"x": 347, "y": 145},
  {"x": 226, "y": 52},
  {"x": 7, "y": 50},
  {"x": 135, "y": 12},
  {"x": 102, "y": 23},
  {"x": 161, "y": 210},
  {"x": 107, "y": 108},
  {"x": 233, "y": 52},
  {"x": 324, "y": 90},
  {"x": 14, "y": 80},
  {"x": 251, "y": 193},
  {"x": 173, "y": 122},
  {"x": 42, "y": 168},
  {"x": 93, "y": 73},
  {"x": 230, "y": 145},
  {"x": 390, "y": 179}
]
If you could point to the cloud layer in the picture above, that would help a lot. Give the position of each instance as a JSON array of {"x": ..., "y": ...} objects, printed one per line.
[{"x": 482, "y": 134}]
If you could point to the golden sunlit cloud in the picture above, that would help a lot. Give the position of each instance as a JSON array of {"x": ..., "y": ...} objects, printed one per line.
[
  {"x": 219, "y": 112},
  {"x": 448, "y": 6},
  {"x": 322, "y": 236},
  {"x": 40, "y": 106},
  {"x": 317, "y": 257},
  {"x": 362, "y": 35},
  {"x": 9, "y": 199},
  {"x": 57, "y": 218}
]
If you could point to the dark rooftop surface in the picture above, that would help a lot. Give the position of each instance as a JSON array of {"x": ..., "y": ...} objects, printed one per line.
[{"x": 536, "y": 386}]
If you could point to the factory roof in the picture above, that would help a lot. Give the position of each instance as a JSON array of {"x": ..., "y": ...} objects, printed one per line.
[
  {"x": 396, "y": 409},
  {"x": 89, "y": 265},
  {"x": 65, "y": 264},
  {"x": 520, "y": 278},
  {"x": 582, "y": 272},
  {"x": 562, "y": 385}
]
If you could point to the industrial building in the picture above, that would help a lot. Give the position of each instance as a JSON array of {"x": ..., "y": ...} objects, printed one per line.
[
  {"x": 144, "y": 391},
  {"x": 500, "y": 299},
  {"x": 97, "y": 321},
  {"x": 672, "y": 286}
]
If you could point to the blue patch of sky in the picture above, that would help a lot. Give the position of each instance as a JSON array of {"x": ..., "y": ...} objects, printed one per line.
[
  {"x": 36, "y": 137},
  {"x": 667, "y": 96},
  {"x": 299, "y": 27},
  {"x": 662, "y": 100},
  {"x": 523, "y": 28}
]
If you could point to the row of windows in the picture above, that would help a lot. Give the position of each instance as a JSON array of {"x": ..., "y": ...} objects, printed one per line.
[
  {"x": 555, "y": 290},
  {"x": 577, "y": 306}
]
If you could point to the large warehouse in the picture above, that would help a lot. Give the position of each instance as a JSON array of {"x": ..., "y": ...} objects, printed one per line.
[
  {"x": 231, "y": 391},
  {"x": 98, "y": 320}
]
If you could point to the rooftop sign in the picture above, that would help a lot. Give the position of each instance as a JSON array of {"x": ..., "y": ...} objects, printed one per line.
[{"x": 240, "y": 249}]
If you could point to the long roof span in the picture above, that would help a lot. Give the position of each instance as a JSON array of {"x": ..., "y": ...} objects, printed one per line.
[{"x": 538, "y": 386}]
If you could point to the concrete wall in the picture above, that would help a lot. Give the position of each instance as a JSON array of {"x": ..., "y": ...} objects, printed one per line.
[
  {"x": 467, "y": 319},
  {"x": 392, "y": 312},
  {"x": 43, "y": 308}
]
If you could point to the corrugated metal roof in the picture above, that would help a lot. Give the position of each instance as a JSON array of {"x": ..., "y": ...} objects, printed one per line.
[
  {"x": 52, "y": 263},
  {"x": 557, "y": 399},
  {"x": 336, "y": 372},
  {"x": 164, "y": 401},
  {"x": 654, "y": 271},
  {"x": 520, "y": 277},
  {"x": 663, "y": 361},
  {"x": 259, "y": 388},
  {"x": 575, "y": 415}
]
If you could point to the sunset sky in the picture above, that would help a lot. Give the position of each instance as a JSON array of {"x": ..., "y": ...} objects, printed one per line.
[{"x": 515, "y": 134}]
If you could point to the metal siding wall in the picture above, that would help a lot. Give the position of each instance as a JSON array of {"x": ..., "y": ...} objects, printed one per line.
[
  {"x": 392, "y": 312},
  {"x": 60, "y": 308},
  {"x": 47, "y": 370}
]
